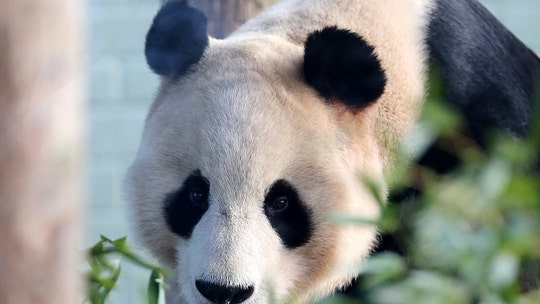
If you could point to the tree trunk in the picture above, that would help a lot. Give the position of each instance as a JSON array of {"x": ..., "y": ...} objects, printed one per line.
[
  {"x": 40, "y": 148},
  {"x": 224, "y": 16}
]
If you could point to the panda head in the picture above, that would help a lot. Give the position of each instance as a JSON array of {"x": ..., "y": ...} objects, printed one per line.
[{"x": 251, "y": 148}]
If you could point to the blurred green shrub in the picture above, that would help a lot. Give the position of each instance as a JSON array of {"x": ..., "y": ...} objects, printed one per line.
[{"x": 469, "y": 236}]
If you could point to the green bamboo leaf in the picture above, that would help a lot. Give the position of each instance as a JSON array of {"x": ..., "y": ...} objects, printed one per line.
[
  {"x": 375, "y": 190},
  {"x": 120, "y": 243},
  {"x": 532, "y": 297},
  {"x": 382, "y": 268},
  {"x": 504, "y": 270},
  {"x": 97, "y": 248},
  {"x": 155, "y": 287},
  {"x": 345, "y": 219},
  {"x": 112, "y": 282},
  {"x": 105, "y": 239},
  {"x": 136, "y": 259}
]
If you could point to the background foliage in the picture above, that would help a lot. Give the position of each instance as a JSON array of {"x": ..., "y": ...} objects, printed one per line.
[{"x": 469, "y": 236}]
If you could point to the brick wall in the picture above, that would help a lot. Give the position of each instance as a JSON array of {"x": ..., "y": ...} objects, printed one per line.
[{"x": 121, "y": 88}]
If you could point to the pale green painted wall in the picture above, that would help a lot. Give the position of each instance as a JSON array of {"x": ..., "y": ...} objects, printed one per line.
[{"x": 120, "y": 90}]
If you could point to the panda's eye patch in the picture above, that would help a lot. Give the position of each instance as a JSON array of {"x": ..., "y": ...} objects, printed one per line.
[
  {"x": 288, "y": 215},
  {"x": 184, "y": 207}
]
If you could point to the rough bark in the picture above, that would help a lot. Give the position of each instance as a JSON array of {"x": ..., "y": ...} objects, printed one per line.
[
  {"x": 40, "y": 148},
  {"x": 224, "y": 16}
]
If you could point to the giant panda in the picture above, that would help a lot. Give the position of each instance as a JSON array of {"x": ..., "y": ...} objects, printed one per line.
[{"x": 254, "y": 143}]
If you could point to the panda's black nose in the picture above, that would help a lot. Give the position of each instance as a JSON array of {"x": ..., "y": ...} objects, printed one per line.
[{"x": 220, "y": 294}]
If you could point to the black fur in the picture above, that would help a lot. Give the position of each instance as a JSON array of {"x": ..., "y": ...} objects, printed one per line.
[
  {"x": 341, "y": 65},
  {"x": 489, "y": 74},
  {"x": 176, "y": 40},
  {"x": 292, "y": 223},
  {"x": 181, "y": 212},
  {"x": 222, "y": 294}
]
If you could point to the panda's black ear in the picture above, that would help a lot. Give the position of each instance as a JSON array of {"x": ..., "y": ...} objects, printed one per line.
[
  {"x": 176, "y": 40},
  {"x": 342, "y": 66}
]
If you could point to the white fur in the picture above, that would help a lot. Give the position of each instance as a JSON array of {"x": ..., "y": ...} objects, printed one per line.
[{"x": 245, "y": 118}]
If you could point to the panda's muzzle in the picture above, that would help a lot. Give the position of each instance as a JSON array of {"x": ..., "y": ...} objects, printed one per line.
[{"x": 220, "y": 294}]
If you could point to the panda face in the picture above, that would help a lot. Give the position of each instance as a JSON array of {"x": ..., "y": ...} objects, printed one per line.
[{"x": 241, "y": 169}]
